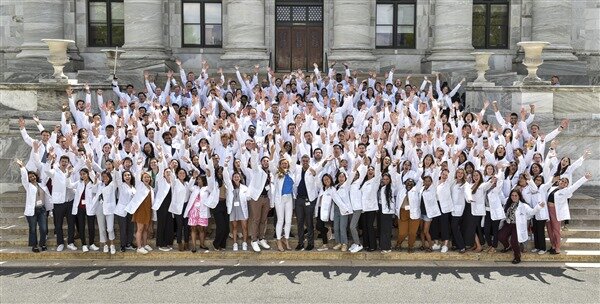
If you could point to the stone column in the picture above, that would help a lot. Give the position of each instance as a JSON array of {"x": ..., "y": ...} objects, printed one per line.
[
  {"x": 552, "y": 21},
  {"x": 453, "y": 31},
  {"x": 43, "y": 19},
  {"x": 144, "y": 30},
  {"x": 352, "y": 33},
  {"x": 244, "y": 33}
]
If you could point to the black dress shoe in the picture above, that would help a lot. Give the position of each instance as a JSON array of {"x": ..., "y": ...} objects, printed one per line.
[
  {"x": 371, "y": 249},
  {"x": 300, "y": 247},
  {"x": 516, "y": 261},
  {"x": 123, "y": 248},
  {"x": 462, "y": 250},
  {"x": 309, "y": 247},
  {"x": 44, "y": 248},
  {"x": 35, "y": 249}
]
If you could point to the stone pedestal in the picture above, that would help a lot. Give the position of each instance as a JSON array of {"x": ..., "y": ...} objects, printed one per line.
[
  {"x": 352, "y": 34},
  {"x": 552, "y": 21},
  {"x": 245, "y": 33},
  {"x": 482, "y": 64},
  {"x": 452, "y": 37}
]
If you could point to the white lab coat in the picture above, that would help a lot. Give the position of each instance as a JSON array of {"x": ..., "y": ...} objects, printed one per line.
[
  {"x": 31, "y": 193},
  {"x": 561, "y": 197}
]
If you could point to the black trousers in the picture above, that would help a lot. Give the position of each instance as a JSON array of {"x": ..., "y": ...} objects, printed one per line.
[
  {"x": 368, "y": 233},
  {"x": 182, "y": 228},
  {"x": 456, "y": 224},
  {"x": 91, "y": 223},
  {"x": 304, "y": 218},
  {"x": 222, "y": 225},
  {"x": 385, "y": 230},
  {"x": 441, "y": 227},
  {"x": 164, "y": 224},
  {"x": 322, "y": 228},
  {"x": 125, "y": 230},
  {"x": 61, "y": 211},
  {"x": 470, "y": 226},
  {"x": 490, "y": 230},
  {"x": 539, "y": 234}
]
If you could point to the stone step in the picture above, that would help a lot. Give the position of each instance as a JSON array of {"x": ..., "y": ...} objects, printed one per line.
[
  {"x": 12, "y": 253},
  {"x": 585, "y": 220},
  {"x": 578, "y": 210}
]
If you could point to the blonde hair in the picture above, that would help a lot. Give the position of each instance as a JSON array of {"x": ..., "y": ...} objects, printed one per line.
[{"x": 280, "y": 171}]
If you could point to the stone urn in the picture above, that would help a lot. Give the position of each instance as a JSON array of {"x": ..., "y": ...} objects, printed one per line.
[
  {"x": 58, "y": 56},
  {"x": 112, "y": 56},
  {"x": 482, "y": 60},
  {"x": 533, "y": 59}
]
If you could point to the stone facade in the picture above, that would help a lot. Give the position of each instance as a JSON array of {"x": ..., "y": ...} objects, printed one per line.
[{"x": 443, "y": 37}]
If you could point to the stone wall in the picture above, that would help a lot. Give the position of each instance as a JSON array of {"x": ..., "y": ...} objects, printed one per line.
[{"x": 580, "y": 104}]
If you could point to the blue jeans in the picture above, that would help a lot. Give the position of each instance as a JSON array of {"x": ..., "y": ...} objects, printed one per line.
[{"x": 38, "y": 218}]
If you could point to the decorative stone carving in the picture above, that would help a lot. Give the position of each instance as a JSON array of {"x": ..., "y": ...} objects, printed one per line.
[
  {"x": 533, "y": 59},
  {"x": 58, "y": 56},
  {"x": 112, "y": 56}
]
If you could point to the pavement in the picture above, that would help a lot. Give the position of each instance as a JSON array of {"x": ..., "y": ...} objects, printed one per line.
[{"x": 350, "y": 281}]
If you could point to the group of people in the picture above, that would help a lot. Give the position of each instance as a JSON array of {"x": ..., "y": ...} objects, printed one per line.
[{"x": 350, "y": 157}]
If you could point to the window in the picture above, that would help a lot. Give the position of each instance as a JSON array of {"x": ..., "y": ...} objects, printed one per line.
[
  {"x": 490, "y": 24},
  {"x": 202, "y": 25},
  {"x": 395, "y": 24},
  {"x": 105, "y": 23}
]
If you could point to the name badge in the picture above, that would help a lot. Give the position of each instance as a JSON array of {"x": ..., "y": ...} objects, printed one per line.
[
  {"x": 39, "y": 203},
  {"x": 236, "y": 204},
  {"x": 267, "y": 188},
  {"x": 83, "y": 202},
  {"x": 407, "y": 207},
  {"x": 307, "y": 203}
]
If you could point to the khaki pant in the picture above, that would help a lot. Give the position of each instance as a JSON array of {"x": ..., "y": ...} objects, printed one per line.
[
  {"x": 258, "y": 211},
  {"x": 407, "y": 227}
]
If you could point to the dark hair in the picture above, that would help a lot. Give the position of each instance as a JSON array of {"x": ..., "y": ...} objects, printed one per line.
[
  {"x": 476, "y": 186},
  {"x": 132, "y": 178},
  {"x": 107, "y": 174},
  {"x": 537, "y": 165},
  {"x": 387, "y": 191},
  {"x": 509, "y": 201},
  {"x": 323, "y": 180},
  {"x": 37, "y": 177}
]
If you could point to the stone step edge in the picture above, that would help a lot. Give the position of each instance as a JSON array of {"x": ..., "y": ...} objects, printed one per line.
[{"x": 294, "y": 255}]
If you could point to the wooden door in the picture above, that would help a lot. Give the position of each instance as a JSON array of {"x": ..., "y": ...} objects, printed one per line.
[
  {"x": 299, "y": 46},
  {"x": 314, "y": 46},
  {"x": 283, "y": 43}
]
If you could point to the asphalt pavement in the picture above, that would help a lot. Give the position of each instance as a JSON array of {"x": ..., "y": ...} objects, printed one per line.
[{"x": 296, "y": 282}]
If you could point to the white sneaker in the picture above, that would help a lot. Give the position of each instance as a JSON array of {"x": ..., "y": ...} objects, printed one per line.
[
  {"x": 72, "y": 247},
  {"x": 105, "y": 249},
  {"x": 164, "y": 249},
  {"x": 84, "y": 248},
  {"x": 142, "y": 250},
  {"x": 436, "y": 247},
  {"x": 148, "y": 248},
  {"x": 534, "y": 250},
  {"x": 358, "y": 248},
  {"x": 245, "y": 246},
  {"x": 255, "y": 246},
  {"x": 230, "y": 235},
  {"x": 113, "y": 250},
  {"x": 541, "y": 252},
  {"x": 385, "y": 251},
  {"x": 240, "y": 235},
  {"x": 263, "y": 243},
  {"x": 94, "y": 247},
  {"x": 60, "y": 247},
  {"x": 235, "y": 247},
  {"x": 444, "y": 249},
  {"x": 352, "y": 247}
]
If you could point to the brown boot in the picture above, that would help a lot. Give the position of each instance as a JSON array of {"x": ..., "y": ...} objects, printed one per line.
[
  {"x": 180, "y": 246},
  {"x": 280, "y": 245},
  {"x": 287, "y": 244}
]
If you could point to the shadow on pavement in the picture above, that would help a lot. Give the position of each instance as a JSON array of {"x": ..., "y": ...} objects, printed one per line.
[{"x": 232, "y": 273}]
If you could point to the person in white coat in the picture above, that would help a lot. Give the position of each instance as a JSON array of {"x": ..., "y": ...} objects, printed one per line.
[
  {"x": 408, "y": 210},
  {"x": 474, "y": 210},
  {"x": 515, "y": 228},
  {"x": 444, "y": 197},
  {"x": 237, "y": 204},
  {"x": 494, "y": 212},
  {"x": 535, "y": 193},
  {"x": 460, "y": 188},
  {"x": 83, "y": 207},
  {"x": 179, "y": 199},
  {"x": 369, "y": 188},
  {"x": 204, "y": 194},
  {"x": 360, "y": 170},
  {"x": 141, "y": 208},
  {"x": 35, "y": 211},
  {"x": 324, "y": 207},
  {"x": 126, "y": 189},
  {"x": 430, "y": 209},
  {"x": 558, "y": 208},
  {"x": 105, "y": 202},
  {"x": 282, "y": 198},
  {"x": 342, "y": 209},
  {"x": 387, "y": 209}
]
